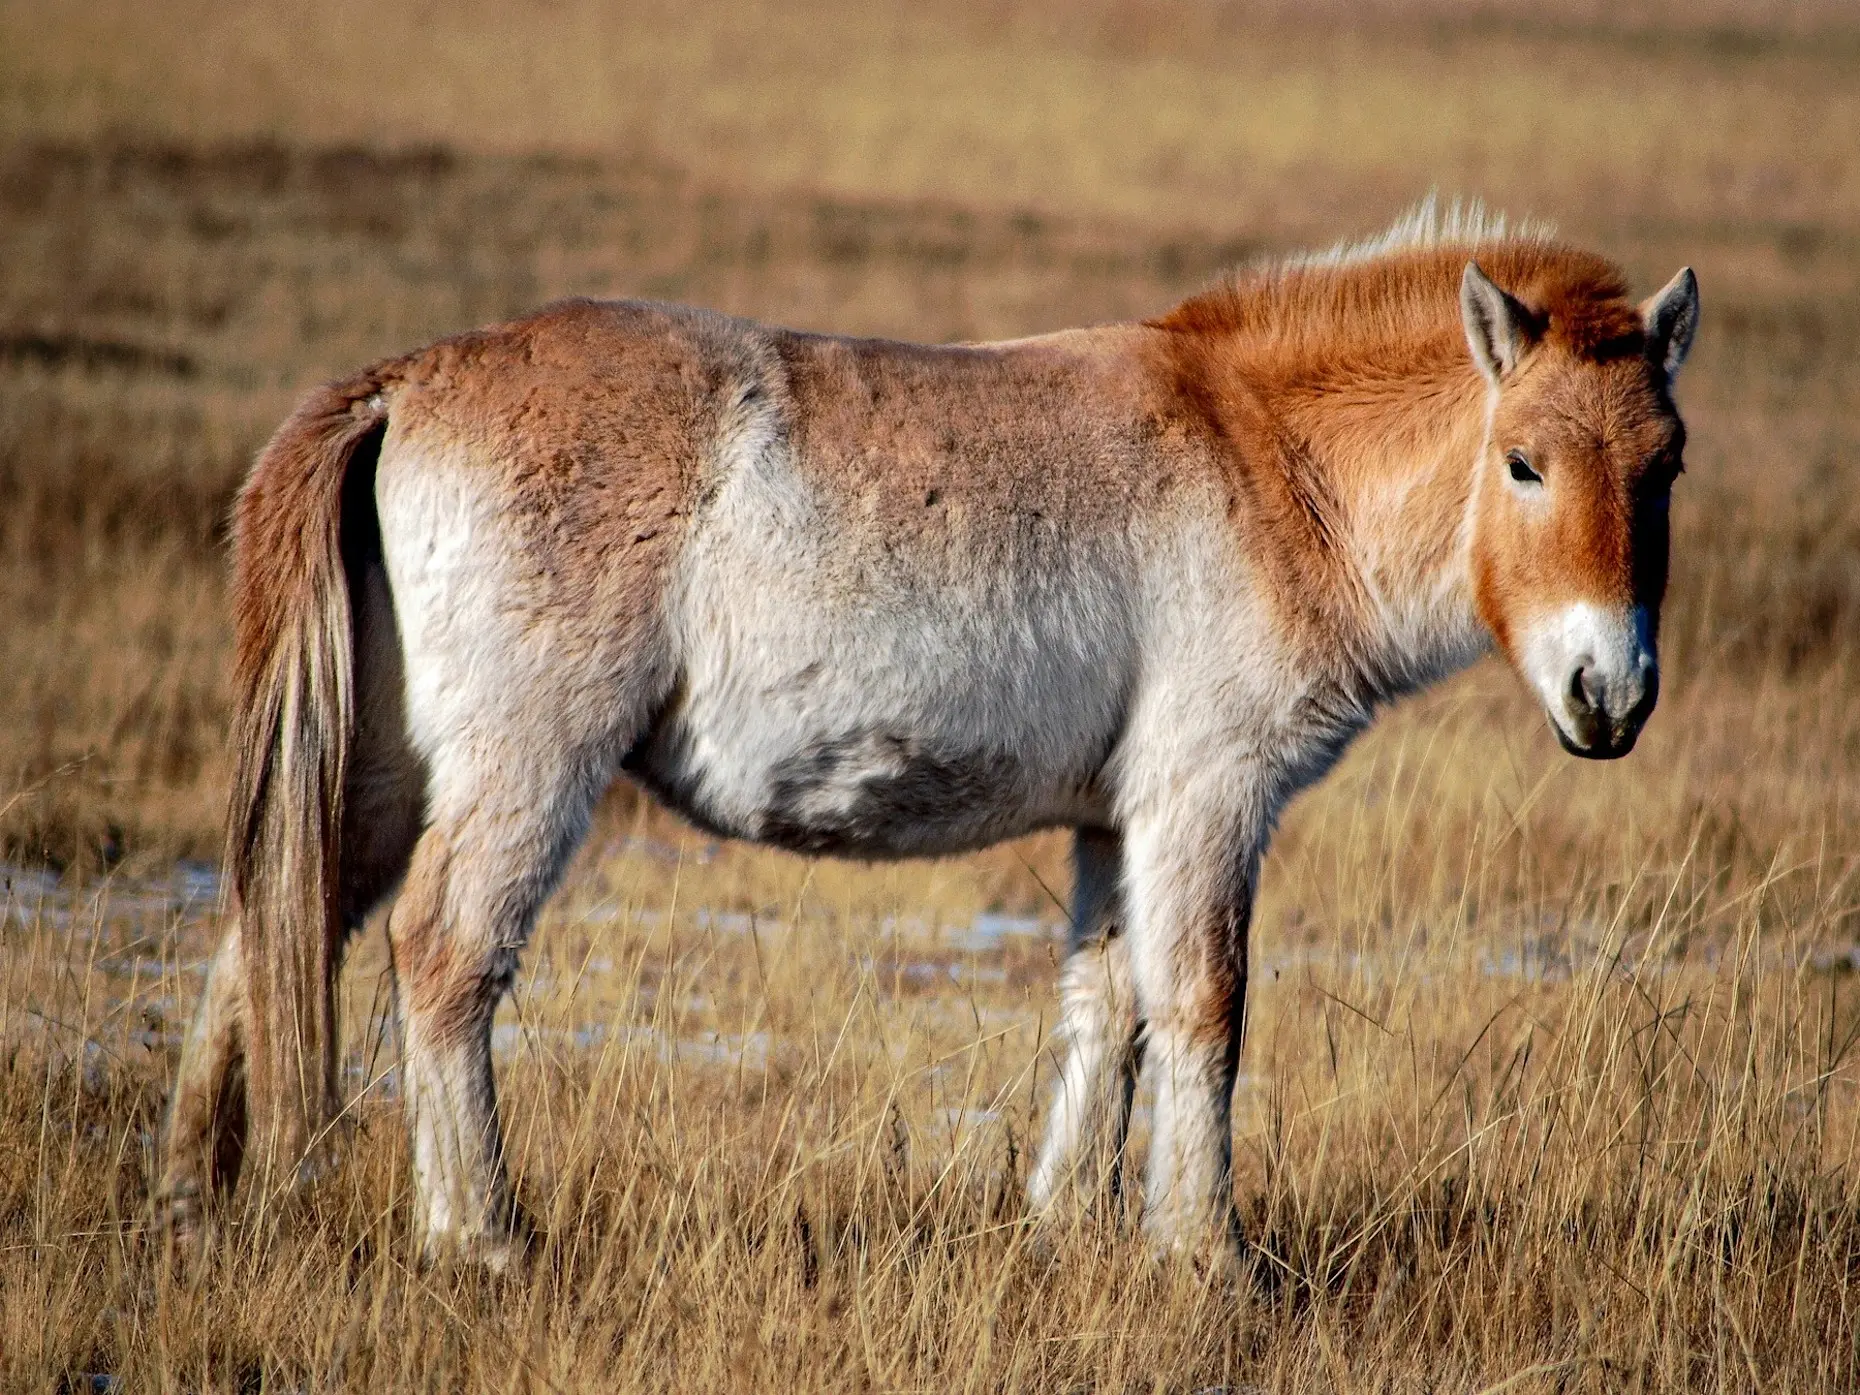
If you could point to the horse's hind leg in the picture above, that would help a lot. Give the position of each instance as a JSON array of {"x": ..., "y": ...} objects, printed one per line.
[
  {"x": 481, "y": 871},
  {"x": 205, "y": 1136},
  {"x": 1089, "y": 1116}
]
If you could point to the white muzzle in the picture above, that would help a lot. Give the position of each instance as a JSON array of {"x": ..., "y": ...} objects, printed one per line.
[{"x": 1597, "y": 673}]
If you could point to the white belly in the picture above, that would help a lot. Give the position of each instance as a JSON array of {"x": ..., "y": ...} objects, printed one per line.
[{"x": 872, "y": 712}]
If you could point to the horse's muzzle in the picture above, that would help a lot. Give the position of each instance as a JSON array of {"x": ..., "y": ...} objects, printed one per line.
[{"x": 1602, "y": 714}]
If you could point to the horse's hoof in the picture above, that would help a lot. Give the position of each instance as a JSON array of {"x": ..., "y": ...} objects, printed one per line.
[
  {"x": 497, "y": 1253},
  {"x": 178, "y": 1223},
  {"x": 1211, "y": 1250}
]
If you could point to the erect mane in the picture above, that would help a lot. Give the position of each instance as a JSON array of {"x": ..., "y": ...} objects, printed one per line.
[
  {"x": 1404, "y": 283},
  {"x": 1427, "y": 224}
]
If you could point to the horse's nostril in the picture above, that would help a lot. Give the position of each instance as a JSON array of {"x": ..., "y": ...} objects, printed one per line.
[{"x": 1585, "y": 690}]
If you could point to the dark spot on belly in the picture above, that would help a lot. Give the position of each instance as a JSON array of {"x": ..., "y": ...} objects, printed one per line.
[
  {"x": 878, "y": 795},
  {"x": 660, "y": 763}
]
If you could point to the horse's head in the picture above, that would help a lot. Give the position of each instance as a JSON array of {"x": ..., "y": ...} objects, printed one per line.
[{"x": 1569, "y": 531}]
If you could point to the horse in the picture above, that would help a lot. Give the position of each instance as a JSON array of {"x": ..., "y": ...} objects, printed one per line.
[{"x": 873, "y": 599}]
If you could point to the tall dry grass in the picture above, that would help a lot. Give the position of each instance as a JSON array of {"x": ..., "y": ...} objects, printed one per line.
[
  {"x": 1599, "y": 1134},
  {"x": 1550, "y": 1069}
]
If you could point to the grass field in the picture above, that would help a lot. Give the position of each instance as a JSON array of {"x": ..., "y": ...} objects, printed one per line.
[{"x": 1551, "y": 1075}]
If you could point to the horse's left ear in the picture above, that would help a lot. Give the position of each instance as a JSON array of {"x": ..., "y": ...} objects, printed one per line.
[
  {"x": 1498, "y": 327},
  {"x": 1672, "y": 317}
]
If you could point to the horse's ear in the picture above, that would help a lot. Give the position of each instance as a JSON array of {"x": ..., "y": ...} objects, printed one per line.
[
  {"x": 1672, "y": 318},
  {"x": 1498, "y": 327}
]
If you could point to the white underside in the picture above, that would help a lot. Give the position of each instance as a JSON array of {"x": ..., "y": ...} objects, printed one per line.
[{"x": 850, "y": 704}]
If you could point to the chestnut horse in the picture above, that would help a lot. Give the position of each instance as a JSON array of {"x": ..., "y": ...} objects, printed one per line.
[{"x": 883, "y": 600}]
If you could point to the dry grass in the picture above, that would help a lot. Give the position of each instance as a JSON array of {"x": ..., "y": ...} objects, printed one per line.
[{"x": 1551, "y": 1067}]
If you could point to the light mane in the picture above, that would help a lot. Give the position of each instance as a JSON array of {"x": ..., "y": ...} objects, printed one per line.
[
  {"x": 1467, "y": 223},
  {"x": 1400, "y": 290}
]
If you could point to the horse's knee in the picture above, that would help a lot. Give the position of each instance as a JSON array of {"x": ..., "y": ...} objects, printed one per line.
[{"x": 1193, "y": 1051}]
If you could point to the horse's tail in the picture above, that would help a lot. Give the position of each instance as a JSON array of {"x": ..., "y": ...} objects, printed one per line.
[{"x": 294, "y": 671}]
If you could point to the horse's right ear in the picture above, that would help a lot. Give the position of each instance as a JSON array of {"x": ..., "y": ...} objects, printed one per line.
[{"x": 1498, "y": 327}]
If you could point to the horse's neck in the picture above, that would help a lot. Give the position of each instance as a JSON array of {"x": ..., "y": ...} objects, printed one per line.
[{"x": 1396, "y": 459}]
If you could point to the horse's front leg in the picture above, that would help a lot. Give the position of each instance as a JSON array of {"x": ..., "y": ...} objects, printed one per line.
[
  {"x": 1189, "y": 891},
  {"x": 1088, "y": 1116}
]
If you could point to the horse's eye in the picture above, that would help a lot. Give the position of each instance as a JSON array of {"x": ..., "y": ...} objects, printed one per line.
[{"x": 1520, "y": 466}]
